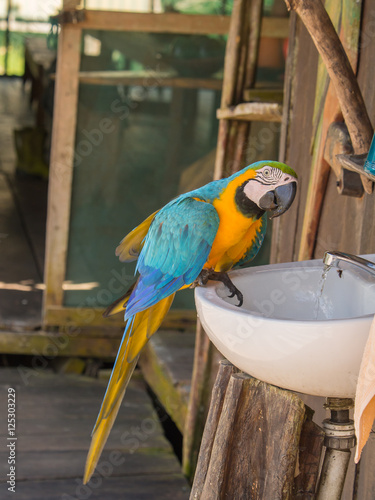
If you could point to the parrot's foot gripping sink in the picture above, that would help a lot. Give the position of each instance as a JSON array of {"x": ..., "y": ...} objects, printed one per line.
[{"x": 301, "y": 327}]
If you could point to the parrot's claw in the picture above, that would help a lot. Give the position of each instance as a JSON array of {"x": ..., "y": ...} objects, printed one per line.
[
  {"x": 209, "y": 274},
  {"x": 235, "y": 292}
]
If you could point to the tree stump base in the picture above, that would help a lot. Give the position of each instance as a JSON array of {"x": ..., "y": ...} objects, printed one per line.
[{"x": 259, "y": 443}]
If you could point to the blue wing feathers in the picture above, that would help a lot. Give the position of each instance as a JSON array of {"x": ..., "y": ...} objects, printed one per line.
[{"x": 174, "y": 252}]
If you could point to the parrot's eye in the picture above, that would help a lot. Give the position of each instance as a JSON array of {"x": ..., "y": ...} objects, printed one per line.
[{"x": 267, "y": 172}]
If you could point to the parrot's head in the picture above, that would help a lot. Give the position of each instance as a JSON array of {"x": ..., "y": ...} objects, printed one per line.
[{"x": 271, "y": 186}]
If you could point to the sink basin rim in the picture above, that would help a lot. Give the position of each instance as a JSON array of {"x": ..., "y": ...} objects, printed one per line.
[{"x": 208, "y": 294}]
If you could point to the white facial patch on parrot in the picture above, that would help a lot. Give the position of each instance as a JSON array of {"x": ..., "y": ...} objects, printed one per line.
[{"x": 267, "y": 179}]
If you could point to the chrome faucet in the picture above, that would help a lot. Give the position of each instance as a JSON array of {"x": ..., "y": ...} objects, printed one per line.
[{"x": 334, "y": 259}]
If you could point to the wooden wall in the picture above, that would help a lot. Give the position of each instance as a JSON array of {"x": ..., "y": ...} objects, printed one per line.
[{"x": 346, "y": 223}]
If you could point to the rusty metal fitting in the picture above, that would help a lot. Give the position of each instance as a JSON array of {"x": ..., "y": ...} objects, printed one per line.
[{"x": 339, "y": 435}]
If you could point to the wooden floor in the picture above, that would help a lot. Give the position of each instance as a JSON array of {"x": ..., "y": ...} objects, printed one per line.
[{"x": 54, "y": 418}]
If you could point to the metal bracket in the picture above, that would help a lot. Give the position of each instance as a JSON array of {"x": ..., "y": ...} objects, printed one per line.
[
  {"x": 73, "y": 16},
  {"x": 338, "y": 144}
]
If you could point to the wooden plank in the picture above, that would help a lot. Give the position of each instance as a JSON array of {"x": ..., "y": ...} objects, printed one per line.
[
  {"x": 167, "y": 364},
  {"x": 157, "y": 487},
  {"x": 54, "y": 417},
  {"x": 44, "y": 346},
  {"x": 147, "y": 79},
  {"x": 72, "y": 340},
  {"x": 90, "y": 317},
  {"x": 297, "y": 123},
  {"x": 61, "y": 163},
  {"x": 252, "y": 111},
  {"x": 167, "y": 22},
  {"x": 263, "y": 95},
  {"x": 42, "y": 464},
  {"x": 278, "y": 226}
]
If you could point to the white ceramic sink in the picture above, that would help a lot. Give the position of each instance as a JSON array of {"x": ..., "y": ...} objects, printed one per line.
[{"x": 288, "y": 331}]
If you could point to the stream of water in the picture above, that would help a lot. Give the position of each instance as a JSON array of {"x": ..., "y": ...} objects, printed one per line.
[{"x": 322, "y": 282}]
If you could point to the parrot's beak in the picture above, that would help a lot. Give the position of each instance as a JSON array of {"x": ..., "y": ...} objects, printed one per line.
[{"x": 279, "y": 200}]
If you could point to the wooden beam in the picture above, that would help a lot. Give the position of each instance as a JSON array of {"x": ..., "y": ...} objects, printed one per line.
[
  {"x": 47, "y": 345},
  {"x": 61, "y": 163},
  {"x": 148, "y": 79},
  {"x": 90, "y": 342},
  {"x": 252, "y": 111},
  {"x": 263, "y": 95},
  {"x": 86, "y": 317},
  {"x": 167, "y": 22}
]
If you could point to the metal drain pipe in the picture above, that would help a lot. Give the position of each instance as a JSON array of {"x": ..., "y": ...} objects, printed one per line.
[{"x": 339, "y": 439}]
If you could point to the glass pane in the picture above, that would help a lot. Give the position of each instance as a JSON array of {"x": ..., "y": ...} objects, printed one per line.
[{"x": 137, "y": 146}]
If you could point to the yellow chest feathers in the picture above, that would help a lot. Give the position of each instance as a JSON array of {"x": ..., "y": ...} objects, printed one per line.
[{"x": 235, "y": 235}]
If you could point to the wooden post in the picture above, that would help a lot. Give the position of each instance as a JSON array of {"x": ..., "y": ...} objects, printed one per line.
[
  {"x": 61, "y": 163},
  {"x": 199, "y": 395},
  {"x": 255, "y": 435},
  {"x": 226, "y": 369}
]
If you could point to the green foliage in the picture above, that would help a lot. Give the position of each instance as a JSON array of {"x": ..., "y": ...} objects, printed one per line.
[{"x": 16, "y": 52}]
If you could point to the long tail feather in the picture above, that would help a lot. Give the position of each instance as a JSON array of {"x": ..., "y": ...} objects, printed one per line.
[{"x": 138, "y": 330}]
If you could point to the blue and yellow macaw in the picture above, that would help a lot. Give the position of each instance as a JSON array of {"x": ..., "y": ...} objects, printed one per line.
[{"x": 197, "y": 236}]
